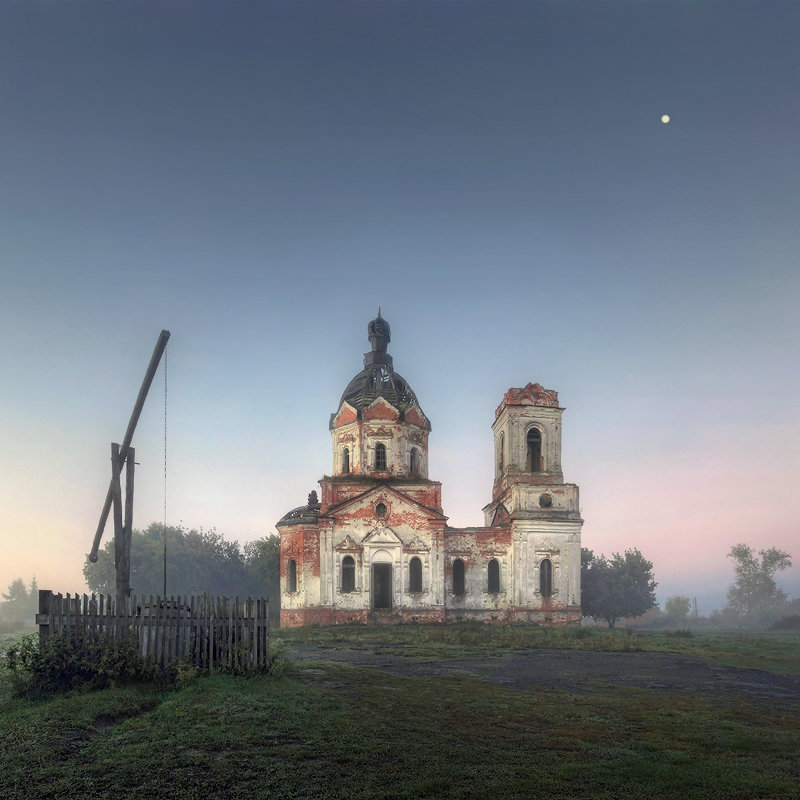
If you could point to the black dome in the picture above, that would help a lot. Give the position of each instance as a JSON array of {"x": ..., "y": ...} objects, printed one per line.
[{"x": 378, "y": 378}]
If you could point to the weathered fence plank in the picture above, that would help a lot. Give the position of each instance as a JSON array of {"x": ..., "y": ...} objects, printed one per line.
[{"x": 212, "y": 632}]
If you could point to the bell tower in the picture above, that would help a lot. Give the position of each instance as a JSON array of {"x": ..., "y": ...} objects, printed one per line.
[
  {"x": 529, "y": 493},
  {"x": 527, "y": 439}
]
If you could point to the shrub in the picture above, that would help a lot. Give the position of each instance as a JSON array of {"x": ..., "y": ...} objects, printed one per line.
[
  {"x": 60, "y": 664},
  {"x": 790, "y": 623},
  {"x": 681, "y": 633}
]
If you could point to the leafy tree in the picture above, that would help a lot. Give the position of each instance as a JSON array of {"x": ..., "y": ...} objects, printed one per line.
[
  {"x": 197, "y": 562},
  {"x": 262, "y": 564},
  {"x": 677, "y": 608},
  {"x": 755, "y": 597},
  {"x": 621, "y": 586}
]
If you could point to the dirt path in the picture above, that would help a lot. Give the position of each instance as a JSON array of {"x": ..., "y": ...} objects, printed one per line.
[{"x": 585, "y": 672}]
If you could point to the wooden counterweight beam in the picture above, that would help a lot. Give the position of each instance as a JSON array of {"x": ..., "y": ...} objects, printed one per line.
[{"x": 161, "y": 345}]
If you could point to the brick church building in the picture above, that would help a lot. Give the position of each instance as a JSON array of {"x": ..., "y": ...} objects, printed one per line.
[{"x": 375, "y": 545}]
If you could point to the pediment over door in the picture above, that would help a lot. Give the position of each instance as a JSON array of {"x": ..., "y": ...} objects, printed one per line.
[
  {"x": 416, "y": 546},
  {"x": 348, "y": 543},
  {"x": 382, "y": 535}
]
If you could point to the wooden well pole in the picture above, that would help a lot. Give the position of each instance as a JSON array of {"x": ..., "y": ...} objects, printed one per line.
[{"x": 161, "y": 345}]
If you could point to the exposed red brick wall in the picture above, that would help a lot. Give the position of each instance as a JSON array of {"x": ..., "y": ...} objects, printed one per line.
[
  {"x": 344, "y": 417},
  {"x": 533, "y": 393},
  {"x": 381, "y": 410},
  {"x": 415, "y": 418},
  {"x": 292, "y": 547}
]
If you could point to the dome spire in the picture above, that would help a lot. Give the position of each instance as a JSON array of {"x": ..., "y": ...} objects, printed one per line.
[
  {"x": 379, "y": 334},
  {"x": 378, "y": 378}
]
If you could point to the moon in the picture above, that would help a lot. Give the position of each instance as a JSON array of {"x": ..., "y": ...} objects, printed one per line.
[{"x": 665, "y": 118}]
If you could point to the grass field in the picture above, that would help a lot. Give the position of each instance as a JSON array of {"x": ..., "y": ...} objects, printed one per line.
[
  {"x": 776, "y": 651},
  {"x": 336, "y": 731}
]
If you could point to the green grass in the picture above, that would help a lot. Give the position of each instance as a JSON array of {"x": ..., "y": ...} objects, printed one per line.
[
  {"x": 335, "y": 731},
  {"x": 775, "y": 651},
  {"x": 330, "y": 730},
  {"x": 9, "y": 638}
]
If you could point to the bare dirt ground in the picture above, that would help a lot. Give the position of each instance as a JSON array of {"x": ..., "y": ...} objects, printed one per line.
[{"x": 586, "y": 672}]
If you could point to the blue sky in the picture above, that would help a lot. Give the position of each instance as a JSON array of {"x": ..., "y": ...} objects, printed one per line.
[{"x": 259, "y": 177}]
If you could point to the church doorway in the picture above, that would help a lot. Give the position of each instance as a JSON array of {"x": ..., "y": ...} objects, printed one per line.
[{"x": 381, "y": 586}]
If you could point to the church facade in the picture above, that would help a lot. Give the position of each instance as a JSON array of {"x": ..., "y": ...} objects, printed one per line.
[{"x": 375, "y": 547}]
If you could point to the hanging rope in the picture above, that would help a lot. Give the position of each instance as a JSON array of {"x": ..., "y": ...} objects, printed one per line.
[{"x": 165, "y": 473}]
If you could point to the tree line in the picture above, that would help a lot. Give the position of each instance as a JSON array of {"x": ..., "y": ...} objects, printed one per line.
[
  {"x": 622, "y": 586},
  {"x": 197, "y": 562}
]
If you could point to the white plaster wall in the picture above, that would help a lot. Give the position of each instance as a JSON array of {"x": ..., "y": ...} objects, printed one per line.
[
  {"x": 398, "y": 437},
  {"x": 526, "y": 497},
  {"x": 514, "y": 423},
  {"x": 558, "y": 541},
  {"x": 358, "y": 529}
]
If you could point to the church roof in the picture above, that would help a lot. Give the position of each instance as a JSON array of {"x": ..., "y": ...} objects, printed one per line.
[
  {"x": 302, "y": 515},
  {"x": 378, "y": 378},
  {"x": 379, "y": 381}
]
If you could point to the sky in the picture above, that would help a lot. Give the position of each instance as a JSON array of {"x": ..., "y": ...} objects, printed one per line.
[{"x": 259, "y": 177}]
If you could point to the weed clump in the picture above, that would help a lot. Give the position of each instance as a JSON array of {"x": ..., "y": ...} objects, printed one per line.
[
  {"x": 60, "y": 664},
  {"x": 681, "y": 633}
]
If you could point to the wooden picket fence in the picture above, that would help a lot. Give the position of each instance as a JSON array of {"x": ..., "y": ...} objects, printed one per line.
[{"x": 212, "y": 632}]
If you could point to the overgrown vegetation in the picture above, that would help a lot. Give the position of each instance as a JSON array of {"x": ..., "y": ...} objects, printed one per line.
[{"x": 58, "y": 665}]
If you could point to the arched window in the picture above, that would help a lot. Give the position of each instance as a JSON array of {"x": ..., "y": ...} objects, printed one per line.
[
  {"x": 414, "y": 460},
  {"x": 292, "y": 570},
  {"x": 458, "y": 577},
  {"x": 346, "y": 461},
  {"x": 494, "y": 576},
  {"x": 348, "y": 574},
  {"x": 415, "y": 575},
  {"x": 534, "y": 459},
  {"x": 380, "y": 457},
  {"x": 546, "y": 578},
  {"x": 501, "y": 453}
]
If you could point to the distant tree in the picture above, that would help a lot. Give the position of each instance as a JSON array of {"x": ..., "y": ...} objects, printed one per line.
[
  {"x": 17, "y": 593},
  {"x": 33, "y": 596},
  {"x": 621, "y": 586},
  {"x": 17, "y": 602},
  {"x": 755, "y": 597},
  {"x": 652, "y": 616},
  {"x": 262, "y": 564},
  {"x": 677, "y": 608},
  {"x": 197, "y": 562}
]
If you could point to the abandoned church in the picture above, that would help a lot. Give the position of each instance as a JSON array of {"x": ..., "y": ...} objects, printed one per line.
[{"x": 376, "y": 547}]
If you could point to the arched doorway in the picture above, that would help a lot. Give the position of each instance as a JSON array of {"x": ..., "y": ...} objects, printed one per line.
[{"x": 382, "y": 594}]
